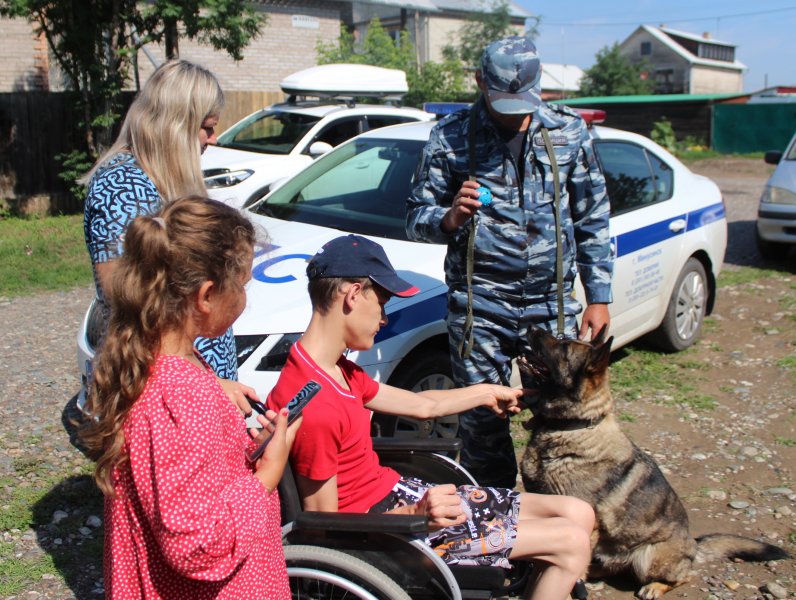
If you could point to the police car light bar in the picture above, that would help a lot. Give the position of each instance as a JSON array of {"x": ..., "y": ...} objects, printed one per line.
[{"x": 592, "y": 116}]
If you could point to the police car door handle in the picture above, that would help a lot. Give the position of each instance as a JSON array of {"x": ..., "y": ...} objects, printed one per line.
[{"x": 677, "y": 225}]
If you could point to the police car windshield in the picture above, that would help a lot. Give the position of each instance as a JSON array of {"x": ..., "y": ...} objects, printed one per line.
[
  {"x": 360, "y": 187},
  {"x": 268, "y": 131}
]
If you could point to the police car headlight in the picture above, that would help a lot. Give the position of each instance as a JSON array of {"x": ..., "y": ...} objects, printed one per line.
[
  {"x": 777, "y": 195},
  {"x": 221, "y": 178},
  {"x": 276, "y": 357}
]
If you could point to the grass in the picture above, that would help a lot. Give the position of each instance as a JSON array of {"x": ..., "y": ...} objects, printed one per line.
[
  {"x": 783, "y": 441},
  {"x": 640, "y": 373},
  {"x": 744, "y": 275},
  {"x": 42, "y": 254},
  {"x": 689, "y": 157},
  {"x": 30, "y": 507}
]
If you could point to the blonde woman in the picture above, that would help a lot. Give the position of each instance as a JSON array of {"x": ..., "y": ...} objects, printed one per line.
[{"x": 156, "y": 159}]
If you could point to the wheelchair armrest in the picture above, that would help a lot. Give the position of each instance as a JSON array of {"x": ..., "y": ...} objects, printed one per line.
[
  {"x": 438, "y": 445},
  {"x": 363, "y": 522}
]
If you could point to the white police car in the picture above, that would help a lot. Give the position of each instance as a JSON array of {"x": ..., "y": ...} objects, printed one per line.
[
  {"x": 668, "y": 232},
  {"x": 320, "y": 113}
]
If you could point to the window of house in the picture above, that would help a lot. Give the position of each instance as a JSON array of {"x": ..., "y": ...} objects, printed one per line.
[
  {"x": 646, "y": 48},
  {"x": 634, "y": 176}
]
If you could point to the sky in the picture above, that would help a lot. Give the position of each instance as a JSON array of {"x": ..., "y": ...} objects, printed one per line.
[{"x": 572, "y": 32}]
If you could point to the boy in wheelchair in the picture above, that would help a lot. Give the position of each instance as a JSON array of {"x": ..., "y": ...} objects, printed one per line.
[{"x": 336, "y": 468}]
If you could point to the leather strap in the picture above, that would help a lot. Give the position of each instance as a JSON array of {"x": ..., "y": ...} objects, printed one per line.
[{"x": 557, "y": 213}]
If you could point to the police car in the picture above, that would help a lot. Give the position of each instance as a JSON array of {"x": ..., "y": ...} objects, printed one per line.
[
  {"x": 668, "y": 235},
  {"x": 319, "y": 114}
]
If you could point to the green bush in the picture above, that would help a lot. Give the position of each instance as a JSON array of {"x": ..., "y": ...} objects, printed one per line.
[{"x": 663, "y": 133}]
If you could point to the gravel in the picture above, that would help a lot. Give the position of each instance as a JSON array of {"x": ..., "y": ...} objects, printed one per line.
[{"x": 726, "y": 463}]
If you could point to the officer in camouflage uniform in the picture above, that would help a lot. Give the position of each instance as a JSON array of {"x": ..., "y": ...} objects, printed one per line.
[{"x": 513, "y": 281}]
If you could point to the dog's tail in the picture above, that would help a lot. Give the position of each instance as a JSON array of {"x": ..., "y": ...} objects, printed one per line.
[{"x": 723, "y": 546}]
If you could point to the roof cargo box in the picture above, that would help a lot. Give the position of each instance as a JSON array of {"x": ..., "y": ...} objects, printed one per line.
[{"x": 345, "y": 80}]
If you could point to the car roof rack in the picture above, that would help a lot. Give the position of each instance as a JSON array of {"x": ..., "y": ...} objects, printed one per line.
[{"x": 345, "y": 82}]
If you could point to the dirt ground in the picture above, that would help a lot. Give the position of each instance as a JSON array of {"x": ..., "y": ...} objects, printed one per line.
[{"x": 733, "y": 466}]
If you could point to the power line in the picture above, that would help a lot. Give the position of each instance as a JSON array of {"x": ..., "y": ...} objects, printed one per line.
[{"x": 667, "y": 20}]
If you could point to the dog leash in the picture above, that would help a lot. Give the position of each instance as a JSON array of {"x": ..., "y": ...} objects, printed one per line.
[
  {"x": 465, "y": 345},
  {"x": 557, "y": 215}
]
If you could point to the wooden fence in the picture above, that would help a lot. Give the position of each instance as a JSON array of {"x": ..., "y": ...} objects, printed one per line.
[
  {"x": 36, "y": 127},
  {"x": 239, "y": 104}
]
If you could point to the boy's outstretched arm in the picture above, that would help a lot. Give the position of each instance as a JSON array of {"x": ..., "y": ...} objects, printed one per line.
[{"x": 431, "y": 404}]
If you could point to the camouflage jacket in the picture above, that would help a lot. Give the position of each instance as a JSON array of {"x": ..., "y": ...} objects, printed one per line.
[{"x": 515, "y": 253}]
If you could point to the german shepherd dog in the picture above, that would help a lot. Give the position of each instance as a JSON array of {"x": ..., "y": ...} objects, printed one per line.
[{"x": 576, "y": 448}]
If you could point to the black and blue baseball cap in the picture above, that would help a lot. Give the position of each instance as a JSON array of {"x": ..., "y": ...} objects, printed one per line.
[{"x": 355, "y": 256}]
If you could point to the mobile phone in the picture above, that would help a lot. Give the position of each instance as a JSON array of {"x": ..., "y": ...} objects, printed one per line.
[{"x": 294, "y": 407}]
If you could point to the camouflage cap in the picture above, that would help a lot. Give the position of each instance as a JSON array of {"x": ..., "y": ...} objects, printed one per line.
[{"x": 512, "y": 72}]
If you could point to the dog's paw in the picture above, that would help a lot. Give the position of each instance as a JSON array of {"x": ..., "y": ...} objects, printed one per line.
[{"x": 653, "y": 591}]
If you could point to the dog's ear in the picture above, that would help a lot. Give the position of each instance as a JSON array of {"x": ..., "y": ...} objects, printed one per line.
[
  {"x": 600, "y": 338},
  {"x": 601, "y": 356}
]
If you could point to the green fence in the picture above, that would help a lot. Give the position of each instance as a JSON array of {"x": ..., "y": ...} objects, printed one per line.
[{"x": 743, "y": 128}]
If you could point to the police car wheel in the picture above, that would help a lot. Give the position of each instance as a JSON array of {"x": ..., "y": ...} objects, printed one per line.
[
  {"x": 682, "y": 322},
  {"x": 431, "y": 370}
]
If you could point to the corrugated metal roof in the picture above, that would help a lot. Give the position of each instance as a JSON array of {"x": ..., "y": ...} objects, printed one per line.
[
  {"x": 694, "y": 36},
  {"x": 480, "y": 6},
  {"x": 641, "y": 99},
  {"x": 421, "y": 5}
]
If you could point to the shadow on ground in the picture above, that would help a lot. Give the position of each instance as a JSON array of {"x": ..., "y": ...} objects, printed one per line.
[
  {"x": 71, "y": 418},
  {"x": 67, "y": 528},
  {"x": 742, "y": 249}
]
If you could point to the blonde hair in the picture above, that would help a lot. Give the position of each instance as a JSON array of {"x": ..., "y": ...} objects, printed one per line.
[
  {"x": 167, "y": 258},
  {"x": 161, "y": 129}
]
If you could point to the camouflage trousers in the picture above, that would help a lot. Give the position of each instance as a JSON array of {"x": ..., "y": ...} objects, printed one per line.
[{"x": 500, "y": 334}]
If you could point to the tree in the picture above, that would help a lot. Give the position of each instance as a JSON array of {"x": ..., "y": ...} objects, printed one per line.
[
  {"x": 614, "y": 75},
  {"x": 484, "y": 28},
  {"x": 430, "y": 82},
  {"x": 95, "y": 42}
]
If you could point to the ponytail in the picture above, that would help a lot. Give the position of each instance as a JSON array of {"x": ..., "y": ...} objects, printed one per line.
[{"x": 166, "y": 260}]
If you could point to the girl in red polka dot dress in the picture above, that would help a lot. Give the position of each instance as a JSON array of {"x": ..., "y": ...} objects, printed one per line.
[{"x": 186, "y": 516}]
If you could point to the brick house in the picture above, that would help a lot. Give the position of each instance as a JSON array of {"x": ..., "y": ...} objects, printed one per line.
[
  {"x": 286, "y": 44},
  {"x": 685, "y": 63}
]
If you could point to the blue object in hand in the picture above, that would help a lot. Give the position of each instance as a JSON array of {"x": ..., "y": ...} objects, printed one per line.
[{"x": 484, "y": 195}]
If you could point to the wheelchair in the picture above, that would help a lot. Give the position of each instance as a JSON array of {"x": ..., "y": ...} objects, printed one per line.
[{"x": 331, "y": 556}]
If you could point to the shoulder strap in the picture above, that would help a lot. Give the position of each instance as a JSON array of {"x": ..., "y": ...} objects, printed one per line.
[{"x": 557, "y": 214}]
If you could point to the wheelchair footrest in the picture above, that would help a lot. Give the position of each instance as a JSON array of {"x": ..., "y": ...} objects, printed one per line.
[{"x": 363, "y": 523}]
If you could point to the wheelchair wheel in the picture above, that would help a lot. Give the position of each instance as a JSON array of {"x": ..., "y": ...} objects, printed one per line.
[{"x": 318, "y": 573}]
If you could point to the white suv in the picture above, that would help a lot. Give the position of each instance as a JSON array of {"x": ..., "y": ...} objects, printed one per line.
[{"x": 280, "y": 140}]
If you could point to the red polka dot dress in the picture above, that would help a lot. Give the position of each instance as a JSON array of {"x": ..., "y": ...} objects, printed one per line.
[{"x": 188, "y": 519}]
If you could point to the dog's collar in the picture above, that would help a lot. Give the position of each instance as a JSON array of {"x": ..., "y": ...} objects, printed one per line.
[{"x": 565, "y": 424}]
